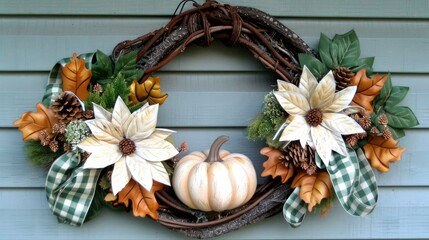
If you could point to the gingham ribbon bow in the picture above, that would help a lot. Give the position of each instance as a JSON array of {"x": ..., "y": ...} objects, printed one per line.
[
  {"x": 70, "y": 188},
  {"x": 354, "y": 184}
]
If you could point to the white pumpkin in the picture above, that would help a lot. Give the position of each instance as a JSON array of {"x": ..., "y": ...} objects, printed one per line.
[{"x": 214, "y": 181}]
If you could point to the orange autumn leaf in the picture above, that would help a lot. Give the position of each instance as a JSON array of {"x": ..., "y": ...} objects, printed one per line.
[
  {"x": 367, "y": 89},
  {"x": 144, "y": 202},
  {"x": 149, "y": 90},
  {"x": 380, "y": 152},
  {"x": 76, "y": 77},
  {"x": 31, "y": 123},
  {"x": 274, "y": 166},
  {"x": 313, "y": 188}
]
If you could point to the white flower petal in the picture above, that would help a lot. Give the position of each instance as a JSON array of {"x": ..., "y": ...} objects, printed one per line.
[
  {"x": 92, "y": 144},
  {"x": 120, "y": 176},
  {"x": 155, "y": 149},
  {"x": 297, "y": 129},
  {"x": 323, "y": 94},
  {"x": 341, "y": 100},
  {"x": 121, "y": 114},
  {"x": 102, "y": 159},
  {"x": 352, "y": 109},
  {"x": 338, "y": 144},
  {"x": 161, "y": 133},
  {"x": 105, "y": 131},
  {"x": 307, "y": 82},
  {"x": 341, "y": 124},
  {"x": 285, "y": 86},
  {"x": 101, "y": 113},
  {"x": 140, "y": 170},
  {"x": 321, "y": 138},
  {"x": 144, "y": 122},
  {"x": 159, "y": 173},
  {"x": 102, "y": 155},
  {"x": 293, "y": 103}
]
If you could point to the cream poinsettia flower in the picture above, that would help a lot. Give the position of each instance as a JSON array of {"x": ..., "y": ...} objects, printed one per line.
[
  {"x": 316, "y": 114},
  {"x": 131, "y": 142}
]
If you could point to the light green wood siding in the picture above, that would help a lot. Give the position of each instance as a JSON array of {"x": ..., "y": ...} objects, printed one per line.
[{"x": 212, "y": 91}]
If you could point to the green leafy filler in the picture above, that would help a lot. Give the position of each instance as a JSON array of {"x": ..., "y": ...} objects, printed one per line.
[{"x": 398, "y": 117}]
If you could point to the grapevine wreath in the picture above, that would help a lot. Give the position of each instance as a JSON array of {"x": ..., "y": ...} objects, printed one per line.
[{"x": 327, "y": 124}]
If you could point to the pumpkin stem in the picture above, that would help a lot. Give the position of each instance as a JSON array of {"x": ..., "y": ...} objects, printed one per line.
[{"x": 215, "y": 148}]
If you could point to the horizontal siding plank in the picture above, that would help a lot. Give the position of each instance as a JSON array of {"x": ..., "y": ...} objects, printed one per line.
[
  {"x": 197, "y": 99},
  {"x": 400, "y": 213},
  {"x": 16, "y": 171},
  {"x": 304, "y": 8},
  {"x": 399, "y": 46}
]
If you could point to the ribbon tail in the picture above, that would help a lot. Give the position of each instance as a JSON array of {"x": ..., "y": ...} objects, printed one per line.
[
  {"x": 354, "y": 182},
  {"x": 70, "y": 189},
  {"x": 294, "y": 209}
]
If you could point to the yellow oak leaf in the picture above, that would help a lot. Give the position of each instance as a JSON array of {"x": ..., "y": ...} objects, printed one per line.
[
  {"x": 76, "y": 77},
  {"x": 367, "y": 89},
  {"x": 275, "y": 166},
  {"x": 149, "y": 90},
  {"x": 380, "y": 152},
  {"x": 313, "y": 188},
  {"x": 143, "y": 201},
  {"x": 31, "y": 123}
]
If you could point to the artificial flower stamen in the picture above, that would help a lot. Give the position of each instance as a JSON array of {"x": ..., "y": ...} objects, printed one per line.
[
  {"x": 127, "y": 146},
  {"x": 314, "y": 117}
]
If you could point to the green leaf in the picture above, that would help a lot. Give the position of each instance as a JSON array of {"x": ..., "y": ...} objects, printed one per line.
[
  {"x": 324, "y": 51},
  {"x": 334, "y": 51},
  {"x": 317, "y": 68},
  {"x": 131, "y": 75},
  {"x": 364, "y": 63},
  {"x": 347, "y": 50},
  {"x": 401, "y": 117},
  {"x": 126, "y": 63},
  {"x": 103, "y": 67},
  {"x": 397, "y": 94},
  {"x": 396, "y": 132}
]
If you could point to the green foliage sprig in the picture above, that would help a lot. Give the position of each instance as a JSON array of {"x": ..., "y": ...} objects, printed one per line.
[
  {"x": 40, "y": 155},
  {"x": 117, "y": 87},
  {"x": 342, "y": 51},
  {"x": 104, "y": 70},
  {"x": 398, "y": 117},
  {"x": 265, "y": 125}
]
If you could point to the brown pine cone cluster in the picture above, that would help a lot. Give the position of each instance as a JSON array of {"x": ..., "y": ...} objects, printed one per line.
[
  {"x": 299, "y": 157},
  {"x": 343, "y": 76},
  {"x": 66, "y": 108}
]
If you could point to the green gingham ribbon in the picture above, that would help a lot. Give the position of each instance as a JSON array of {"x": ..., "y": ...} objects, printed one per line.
[
  {"x": 70, "y": 188},
  {"x": 54, "y": 86},
  {"x": 354, "y": 184}
]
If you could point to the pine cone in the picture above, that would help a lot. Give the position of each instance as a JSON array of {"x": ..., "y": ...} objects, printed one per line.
[
  {"x": 67, "y": 108},
  {"x": 343, "y": 76},
  {"x": 300, "y": 157}
]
